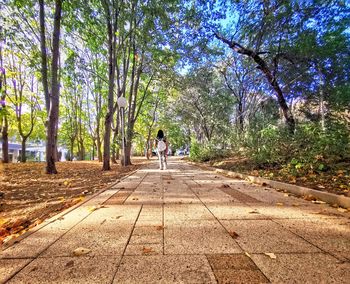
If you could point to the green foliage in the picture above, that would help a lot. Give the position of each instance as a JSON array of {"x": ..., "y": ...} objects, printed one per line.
[
  {"x": 310, "y": 148},
  {"x": 205, "y": 153}
]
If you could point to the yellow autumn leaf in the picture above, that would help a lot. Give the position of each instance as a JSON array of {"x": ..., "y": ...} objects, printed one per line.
[
  {"x": 81, "y": 251},
  {"x": 271, "y": 255}
]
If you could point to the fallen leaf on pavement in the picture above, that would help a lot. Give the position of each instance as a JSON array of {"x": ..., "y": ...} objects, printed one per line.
[
  {"x": 147, "y": 250},
  {"x": 343, "y": 210},
  {"x": 70, "y": 263},
  {"x": 309, "y": 197},
  {"x": 119, "y": 216},
  {"x": 254, "y": 212},
  {"x": 93, "y": 208},
  {"x": 271, "y": 255},
  {"x": 233, "y": 234},
  {"x": 81, "y": 251},
  {"x": 224, "y": 186}
]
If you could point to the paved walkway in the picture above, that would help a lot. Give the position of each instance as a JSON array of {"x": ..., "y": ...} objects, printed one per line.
[{"x": 186, "y": 225}]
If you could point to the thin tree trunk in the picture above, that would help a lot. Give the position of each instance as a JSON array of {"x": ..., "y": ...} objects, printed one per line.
[
  {"x": 51, "y": 146},
  {"x": 44, "y": 69},
  {"x": 4, "y": 122},
  {"x": 99, "y": 152},
  {"x": 5, "y": 141},
  {"x": 240, "y": 116},
  {"x": 321, "y": 103}
]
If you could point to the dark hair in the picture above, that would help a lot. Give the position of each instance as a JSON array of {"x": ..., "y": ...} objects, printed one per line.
[{"x": 160, "y": 134}]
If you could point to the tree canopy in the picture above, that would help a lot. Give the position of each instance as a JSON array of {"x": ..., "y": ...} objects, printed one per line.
[{"x": 221, "y": 75}]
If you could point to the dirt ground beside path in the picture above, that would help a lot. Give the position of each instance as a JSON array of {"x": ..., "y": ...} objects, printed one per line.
[
  {"x": 28, "y": 196},
  {"x": 335, "y": 180}
]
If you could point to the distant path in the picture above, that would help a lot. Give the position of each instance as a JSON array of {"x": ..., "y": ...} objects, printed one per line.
[{"x": 186, "y": 225}]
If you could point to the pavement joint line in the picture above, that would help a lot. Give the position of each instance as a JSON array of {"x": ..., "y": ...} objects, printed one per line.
[
  {"x": 127, "y": 243},
  {"x": 130, "y": 191},
  {"x": 258, "y": 268},
  {"x": 309, "y": 242},
  {"x": 61, "y": 214},
  {"x": 211, "y": 267}
]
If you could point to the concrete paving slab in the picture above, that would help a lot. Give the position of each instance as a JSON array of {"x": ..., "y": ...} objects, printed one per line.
[
  {"x": 198, "y": 237},
  {"x": 147, "y": 235},
  {"x": 9, "y": 267},
  {"x": 208, "y": 194},
  {"x": 151, "y": 215},
  {"x": 303, "y": 268},
  {"x": 127, "y": 184},
  {"x": 34, "y": 244},
  {"x": 231, "y": 261},
  {"x": 144, "y": 249},
  {"x": 177, "y": 213},
  {"x": 330, "y": 235},
  {"x": 265, "y": 236},
  {"x": 233, "y": 211},
  {"x": 105, "y": 232},
  {"x": 69, "y": 270},
  {"x": 288, "y": 212},
  {"x": 165, "y": 269},
  {"x": 240, "y": 276},
  {"x": 118, "y": 198},
  {"x": 101, "y": 198}
]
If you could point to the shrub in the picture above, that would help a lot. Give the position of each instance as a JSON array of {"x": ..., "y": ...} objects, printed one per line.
[{"x": 206, "y": 152}]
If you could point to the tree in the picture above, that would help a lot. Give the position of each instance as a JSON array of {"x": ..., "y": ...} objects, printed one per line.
[
  {"x": 3, "y": 109},
  {"x": 23, "y": 96},
  {"x": 206, "y": 104},
  {"x": 52, "y": 127}
]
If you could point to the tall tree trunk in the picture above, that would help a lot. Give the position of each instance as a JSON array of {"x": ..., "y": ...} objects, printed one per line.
[
  {"x": 148, "y": 146},
  {"x": 115, "y": 148},
  {"x": 23, "y": 155},
  {"x": 51, "y": 146},
  {"x": 111, "y": 77},
  {"x": 44, "y": 68},
  {"x": 4, "y": 122},
  {"x": 71, "y": 156},
  {"x": 128, "y": 146},
  {"x": 5, "y": 141},
  {"x": 240, "y": 116}
]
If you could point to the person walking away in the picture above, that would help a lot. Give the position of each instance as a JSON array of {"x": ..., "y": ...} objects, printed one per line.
[{"x": 162, "y": 149}]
